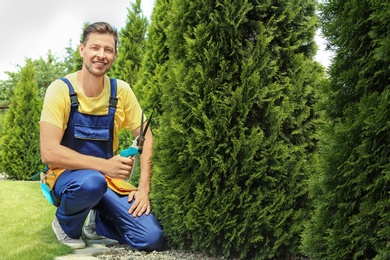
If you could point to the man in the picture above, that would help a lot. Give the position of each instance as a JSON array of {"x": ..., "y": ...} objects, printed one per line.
[{"x": 79, "y": 127}]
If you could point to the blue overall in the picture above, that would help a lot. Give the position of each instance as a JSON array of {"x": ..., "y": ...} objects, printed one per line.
[{"x": 76, "y": 192}]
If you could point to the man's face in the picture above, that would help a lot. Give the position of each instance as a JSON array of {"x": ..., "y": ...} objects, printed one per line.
[{"x": 98, "y": 53}]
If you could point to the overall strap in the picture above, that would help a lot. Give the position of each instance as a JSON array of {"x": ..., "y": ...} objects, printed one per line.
[
  {"x": 68, "y": 139},
  {"x": 73, "y": 96},
  {"x": 113, "y": 98}
]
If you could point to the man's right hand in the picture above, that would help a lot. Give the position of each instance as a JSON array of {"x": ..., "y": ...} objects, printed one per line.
[{"x": 119, "y": 167}]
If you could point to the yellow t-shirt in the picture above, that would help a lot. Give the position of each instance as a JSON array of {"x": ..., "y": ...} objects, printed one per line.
[{"x": 56, "y": 106}]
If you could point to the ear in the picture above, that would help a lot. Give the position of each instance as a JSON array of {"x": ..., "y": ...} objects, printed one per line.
[{"x": 81, "y": 50}]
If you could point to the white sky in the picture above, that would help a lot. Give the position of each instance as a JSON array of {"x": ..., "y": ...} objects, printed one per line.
[{"x": 29, "y": 29}]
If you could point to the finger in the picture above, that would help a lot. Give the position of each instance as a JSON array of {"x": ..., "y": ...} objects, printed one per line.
[
  {"x": 131, "y": 196},
  {"x": 134, "y": 205},
  {"x": 135, "y": 212},
  {"x": 138, "y": 211},
  {"x": 132, "y": 159},
  {"x": 126, "y": 175},
  {"x": 133, "y": 208},
  {"x": 126, "y": 163},
  {"x": 141, "y": 210},
  {"x": 148, "y": 210},
  {"x": 126, "y": 167}
]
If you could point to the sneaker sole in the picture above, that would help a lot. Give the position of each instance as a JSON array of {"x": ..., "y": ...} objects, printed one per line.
[
  {"x": 93, "y": 237},
  {"x": 71, "y": 245}
]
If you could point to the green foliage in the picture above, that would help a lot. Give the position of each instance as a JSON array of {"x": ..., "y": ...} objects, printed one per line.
[
  {"x": 49, "y": 69},
  {"x": 78, "y": 61},
  {"x": 46, "y": 71},
  {"x": 19, "y": 146},
  {"x": 70, "y": 58},
  {"x": 154, "y": 69},
  {"x": 1, "y": 122},
  {"x": 7, "y": 88},
  {"x": 131, "y": 45},
  {"x": 351, "y": 190},
  {"x": 237, "y": 131}
]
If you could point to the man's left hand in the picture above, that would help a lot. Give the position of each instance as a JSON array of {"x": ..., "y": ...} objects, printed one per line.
[{"x": 141, "y": 203}]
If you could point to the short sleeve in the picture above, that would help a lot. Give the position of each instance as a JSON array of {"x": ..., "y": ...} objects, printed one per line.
[{"x": 56, "y": 105}]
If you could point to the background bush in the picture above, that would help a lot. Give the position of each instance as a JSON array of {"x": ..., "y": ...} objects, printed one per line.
[{"x": 237, "y": 131}]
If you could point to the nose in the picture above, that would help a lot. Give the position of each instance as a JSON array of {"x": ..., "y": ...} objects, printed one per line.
[{"x": 101, "y": 53}]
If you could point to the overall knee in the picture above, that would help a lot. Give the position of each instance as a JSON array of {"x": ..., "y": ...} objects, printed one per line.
[
  {"x": 93, "y": 184},
  {"x": 155, "y": 240},
  {"x": 152, "y": 239}
]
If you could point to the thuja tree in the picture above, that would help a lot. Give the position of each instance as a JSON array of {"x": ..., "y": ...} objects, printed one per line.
[
  {"x": 153, "y": 72},
  {"x": 237, "y": 132},
  {"x": 131, "y": 45},
  {"x": 7, "y": 87},
  {"x": 351, "y": 192},
  {"x": 19, "y": 146}
]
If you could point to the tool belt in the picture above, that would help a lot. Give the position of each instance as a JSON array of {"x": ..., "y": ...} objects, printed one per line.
[
  {"x": 117, "y": 185},
  {"x": 51, "y": 176}
]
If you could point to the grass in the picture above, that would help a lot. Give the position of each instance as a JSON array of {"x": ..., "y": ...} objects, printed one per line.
[{"x": 25, "y": 223}]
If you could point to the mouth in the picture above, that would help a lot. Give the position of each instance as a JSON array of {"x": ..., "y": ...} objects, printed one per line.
[{"x": 100, "y": 63}]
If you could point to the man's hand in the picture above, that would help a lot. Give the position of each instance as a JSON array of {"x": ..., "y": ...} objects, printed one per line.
[
  {"x": 141, "y": 203},
  {"x": 118, "y": 167}
]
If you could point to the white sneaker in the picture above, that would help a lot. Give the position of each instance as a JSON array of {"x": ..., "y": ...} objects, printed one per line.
[
  {"x": 90, "y": 227},
  {"x": 64, "y": 238}
]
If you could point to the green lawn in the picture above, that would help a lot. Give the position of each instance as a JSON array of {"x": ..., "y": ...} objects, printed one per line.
[{"x": 25, "y": 223}]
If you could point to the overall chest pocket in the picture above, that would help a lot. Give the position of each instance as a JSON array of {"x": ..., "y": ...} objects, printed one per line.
[{"x": 98, "y": 133}]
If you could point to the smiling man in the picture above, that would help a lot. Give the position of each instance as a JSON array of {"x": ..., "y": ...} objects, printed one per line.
[{"x": 80, "y": 120}]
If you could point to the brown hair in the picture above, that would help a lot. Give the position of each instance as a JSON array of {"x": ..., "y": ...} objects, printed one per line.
[{"x": 102, "y": 28}]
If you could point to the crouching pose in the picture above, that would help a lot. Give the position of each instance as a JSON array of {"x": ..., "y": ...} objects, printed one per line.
[{"x": 80, "y": 120}]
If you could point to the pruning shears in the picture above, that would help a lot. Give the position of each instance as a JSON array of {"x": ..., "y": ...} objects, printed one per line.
[{"x": 138, "y": 143}]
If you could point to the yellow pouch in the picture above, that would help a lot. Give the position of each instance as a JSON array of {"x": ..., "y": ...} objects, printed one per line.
[
  {"x": 119, "y": 186},
  {"x": 51, "y": 176}
]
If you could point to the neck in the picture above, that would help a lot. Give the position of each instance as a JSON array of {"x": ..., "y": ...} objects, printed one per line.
[{"x": 91, "y": 85}]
